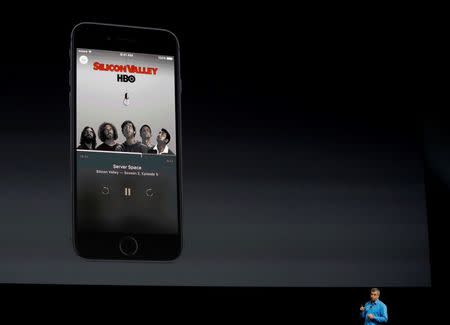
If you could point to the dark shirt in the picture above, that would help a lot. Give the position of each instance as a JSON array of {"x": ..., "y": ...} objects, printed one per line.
[
  {"x": 84, "y": 146},
  {"x": 154, "y": 151},
  {"x": 106, "y": 147},
  {"x": 137, "y": 147}
]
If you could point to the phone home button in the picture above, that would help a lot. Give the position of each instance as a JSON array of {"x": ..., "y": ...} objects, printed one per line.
[{"x": 128, "y": 246}]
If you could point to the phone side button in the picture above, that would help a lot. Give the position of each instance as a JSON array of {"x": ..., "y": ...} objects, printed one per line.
[{"x": 128, "y": 246}]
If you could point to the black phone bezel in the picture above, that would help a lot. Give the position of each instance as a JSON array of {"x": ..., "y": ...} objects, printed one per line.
[{"x": 105, "y": 245}]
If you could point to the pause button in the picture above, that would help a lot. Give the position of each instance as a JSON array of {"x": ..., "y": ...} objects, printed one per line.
[{"x": 127, "y": 191}]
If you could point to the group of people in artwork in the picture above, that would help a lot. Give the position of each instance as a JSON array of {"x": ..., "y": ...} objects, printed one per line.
[{"x": 108, "y": 135}]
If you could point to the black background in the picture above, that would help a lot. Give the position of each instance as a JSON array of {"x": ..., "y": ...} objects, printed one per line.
[{"x": 385, "y": 57}]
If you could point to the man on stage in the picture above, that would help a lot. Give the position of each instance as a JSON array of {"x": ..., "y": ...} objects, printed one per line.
[{"x": 374, "y": 311}]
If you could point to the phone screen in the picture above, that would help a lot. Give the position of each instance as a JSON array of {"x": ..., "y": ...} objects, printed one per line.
[{"x": 126, "y": 142}]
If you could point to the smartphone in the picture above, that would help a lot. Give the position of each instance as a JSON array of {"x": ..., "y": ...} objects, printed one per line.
[{"x": 125, "y": 90}]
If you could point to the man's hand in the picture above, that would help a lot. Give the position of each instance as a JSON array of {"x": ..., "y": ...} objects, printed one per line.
[
  {"x": 371, "y": 316},
  {"x": 361, "y": 309}
]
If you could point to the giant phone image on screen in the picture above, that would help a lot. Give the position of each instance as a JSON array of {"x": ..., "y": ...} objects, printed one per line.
[{"x": 126, "y": 171}]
